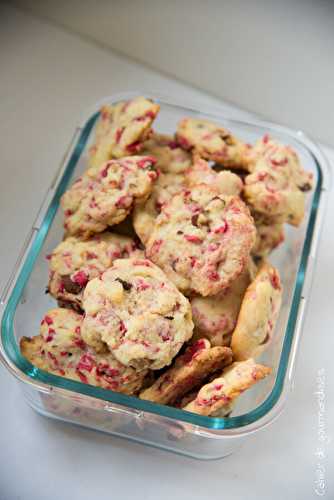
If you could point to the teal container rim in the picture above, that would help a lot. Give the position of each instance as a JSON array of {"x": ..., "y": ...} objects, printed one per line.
[{"x": 12, "y": 352}]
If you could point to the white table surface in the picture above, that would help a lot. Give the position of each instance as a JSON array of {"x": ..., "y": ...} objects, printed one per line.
[{"x": 47, "y": 78}]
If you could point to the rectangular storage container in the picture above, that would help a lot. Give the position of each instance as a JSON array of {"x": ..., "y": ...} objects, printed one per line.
[{"x": 24, "y": 302}]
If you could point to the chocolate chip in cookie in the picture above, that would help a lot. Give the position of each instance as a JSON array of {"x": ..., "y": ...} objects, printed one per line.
[
  {"x": 127, "y": 286},
  {"x": 70, "y": 286}
]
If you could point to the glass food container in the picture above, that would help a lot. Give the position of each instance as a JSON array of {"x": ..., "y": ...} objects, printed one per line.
[{"x": 24, "y": 302}]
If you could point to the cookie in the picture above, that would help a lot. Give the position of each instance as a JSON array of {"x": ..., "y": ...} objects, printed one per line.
[
  {"x": 222, "y": 391},
  {"x": 145, "y": 214},
  {"x": 277, "y": 183},
  {"x": 122, "y": 129},
  {"x": 225, "y": 182},
  {"x": 188, "y": 371},
  {"x": 215, "y": 317},
  {"x": 268, "y": 237},
  {"x": 105, "y": 199},
  {"x": 222, "y": 412},
  {"x": 138, "y": 313},
  {"x": 60, "y": 349},
  {"x": 202, "y": 240},
  {"x": 212, "y": 142},
  {"x": 171, "y": 158},
  {"x": 75, "y": 261},
  {"x": 258, "y": 314}
]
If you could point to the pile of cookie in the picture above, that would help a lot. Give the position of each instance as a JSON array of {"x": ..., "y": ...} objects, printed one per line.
[{"x": 162, "y": 282}]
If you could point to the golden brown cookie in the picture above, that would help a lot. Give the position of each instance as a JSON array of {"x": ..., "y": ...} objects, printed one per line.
[
  {"x": 268, "y": 236},
  {"x": 277, "y": 183},
  {"x": 145, "y": 214},
  {"x": 171, "y": 158},
  {"x": 104, "y": 199},
  {"x": 188, "y": 371},
  {"x": 74, "y": 262},
  {"x": 258, "y": 314},
  {"x": 222, "y": 391},
  {"x": 215, "y": 316},
  {"x": 122, "y": 129},
  {"x": 202, "y": 240},
  {"x": 138, "y": 313},
  {"x": 225, "y": 182},
  {"x": 61, "y": 350},
  {"x": 212, "y": 142}
]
